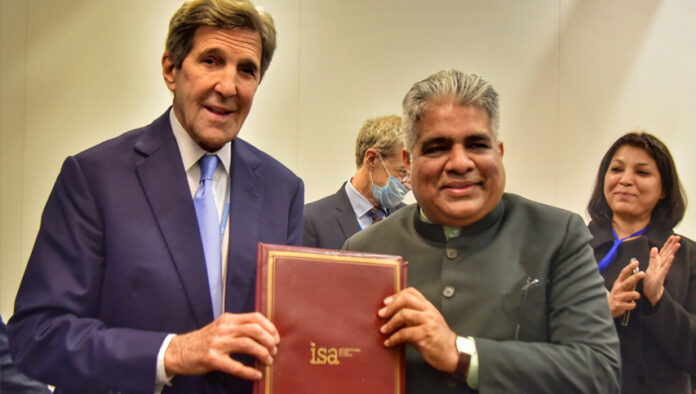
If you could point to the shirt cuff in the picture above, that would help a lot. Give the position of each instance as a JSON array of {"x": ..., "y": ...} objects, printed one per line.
[
  {"x": 162, "y": 379},
  {"x": 472, "y": 379}
]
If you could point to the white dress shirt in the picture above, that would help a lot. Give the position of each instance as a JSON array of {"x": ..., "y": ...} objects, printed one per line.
[{"x": 361, "y": 206}]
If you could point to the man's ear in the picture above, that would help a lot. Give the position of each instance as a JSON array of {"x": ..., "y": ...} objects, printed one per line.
[
  {"x": 169, "y": 71},
  {"x": 370, "y": 158},
  {"x": 501, "y": 149},
  {"x": 406, "y": 157}
]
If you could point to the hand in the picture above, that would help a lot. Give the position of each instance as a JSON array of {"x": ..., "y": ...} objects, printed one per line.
[
  {"x": 660, "y": 263},
  {"x": 209, "y": 348},
  {"x": 623, "y": 294},
  {"x": 413, "y": 319}
]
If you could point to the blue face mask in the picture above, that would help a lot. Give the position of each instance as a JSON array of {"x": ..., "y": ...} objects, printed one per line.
[{"x": 391, "y": 194}]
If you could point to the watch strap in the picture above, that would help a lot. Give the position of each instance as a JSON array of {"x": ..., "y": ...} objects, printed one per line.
[
  {"x": 466, "y": 348},
  {"x": 462, "y": 370}
]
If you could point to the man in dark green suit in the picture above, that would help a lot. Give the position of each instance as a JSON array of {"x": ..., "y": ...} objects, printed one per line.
[{"x": 506, "y": 296}]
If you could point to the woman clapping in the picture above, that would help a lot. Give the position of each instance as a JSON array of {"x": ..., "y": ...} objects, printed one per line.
[{"x": 650, "y": 272}]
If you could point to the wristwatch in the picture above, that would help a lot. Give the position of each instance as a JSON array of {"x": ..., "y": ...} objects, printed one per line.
[{"x": 466, "y": 348}]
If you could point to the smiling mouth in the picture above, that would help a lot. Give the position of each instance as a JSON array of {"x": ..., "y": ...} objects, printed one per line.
[
  {"x": 460, "y": 187},
  {"x": 218, "y": 110},
  {"x": 462, "y": 184}
]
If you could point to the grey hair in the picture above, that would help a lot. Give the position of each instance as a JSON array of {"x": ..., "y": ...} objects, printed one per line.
[
  {"x": 223, "y": 14},
  {"x": 466, "y": 89},
  {"x": 382, "y": 133}
]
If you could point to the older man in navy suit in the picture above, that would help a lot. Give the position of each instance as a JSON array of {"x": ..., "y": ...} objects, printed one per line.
[{"x": 119, "y": 293}]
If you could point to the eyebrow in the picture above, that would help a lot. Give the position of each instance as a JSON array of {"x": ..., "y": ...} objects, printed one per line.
[
  {"x": 211, "y": 50},
  {"x": 215, "y": 50},
  {"x": 469, "y": 138},
  {"x": 640, "y": 164},
  {"x": 435, "y": 140},
  {"x": 479, "y": 136}
]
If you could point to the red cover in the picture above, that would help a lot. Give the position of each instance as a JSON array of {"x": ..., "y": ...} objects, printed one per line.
[{"x": 324, "y": 304}]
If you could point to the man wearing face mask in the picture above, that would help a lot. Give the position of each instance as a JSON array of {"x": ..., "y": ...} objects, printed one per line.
[{"x": 375, "y": 191}]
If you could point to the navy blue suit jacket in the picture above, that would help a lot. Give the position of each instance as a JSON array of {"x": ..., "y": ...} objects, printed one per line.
[{"x": 118, "y": 262}]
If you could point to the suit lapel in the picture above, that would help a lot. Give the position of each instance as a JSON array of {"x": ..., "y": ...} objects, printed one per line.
[
  {"x": 163, "y": 178},
  {"x": 346, "y": 216},
  {"x": 246, "y": 200}
]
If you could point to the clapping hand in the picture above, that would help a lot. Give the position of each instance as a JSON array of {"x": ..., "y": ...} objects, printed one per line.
[{"x": 660, "y": 263}]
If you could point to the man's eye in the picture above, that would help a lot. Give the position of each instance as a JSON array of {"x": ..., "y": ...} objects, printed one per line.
[
  {"x": 433, "y": 149},
  {"x": 479, "y": 145},
  {"x": 208, "y": 60},
  {"x": 249, "y": 70}
]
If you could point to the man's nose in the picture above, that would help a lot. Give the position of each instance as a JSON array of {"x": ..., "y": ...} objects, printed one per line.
[
  {"x": 459, "y": 160},
  {"x": 226, "y": 84}
]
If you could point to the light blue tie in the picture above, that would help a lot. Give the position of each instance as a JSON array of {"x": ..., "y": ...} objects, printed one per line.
[{"x": 209, "y": 227}]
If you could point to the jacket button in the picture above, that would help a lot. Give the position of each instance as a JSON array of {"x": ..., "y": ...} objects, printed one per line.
[
  {"x": 448, "y": 291},
  {"x": 451, "y": 253}
]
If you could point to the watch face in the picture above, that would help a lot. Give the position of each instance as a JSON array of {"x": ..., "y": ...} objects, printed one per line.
[{"x": 465, "y": 345}]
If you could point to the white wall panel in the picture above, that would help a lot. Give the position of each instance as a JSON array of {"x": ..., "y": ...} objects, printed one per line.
[
  {"x": 359, "y": 58},
  {"x": 625, "y": 65}
]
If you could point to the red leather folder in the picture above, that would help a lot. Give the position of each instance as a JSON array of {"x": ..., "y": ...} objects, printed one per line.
[{"x": 324, "y": 304}]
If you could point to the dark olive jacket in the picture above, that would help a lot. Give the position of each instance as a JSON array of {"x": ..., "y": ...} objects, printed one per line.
[{"x": 523, "y": 282}]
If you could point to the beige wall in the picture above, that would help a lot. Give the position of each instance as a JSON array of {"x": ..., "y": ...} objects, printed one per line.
[
  {"x": 573, "y": 76},
  {"x": 12, "y": 126}
]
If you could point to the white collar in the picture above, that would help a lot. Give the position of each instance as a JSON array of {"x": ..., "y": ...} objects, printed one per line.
[
  {"x": 361, "y": 205},
  {"x": 190, "y": 151}
]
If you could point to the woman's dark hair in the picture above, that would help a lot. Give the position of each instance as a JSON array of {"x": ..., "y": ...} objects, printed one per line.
[{"x": 669, "y": 210}]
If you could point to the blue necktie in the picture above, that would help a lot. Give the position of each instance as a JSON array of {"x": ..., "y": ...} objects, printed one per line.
[
  {"x": 209, "y": 227},
  {"x": 615, "y": 247}
]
